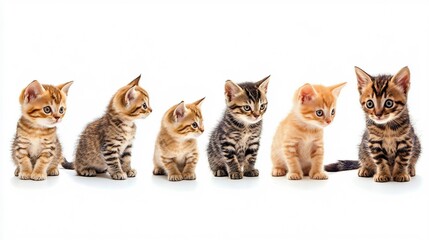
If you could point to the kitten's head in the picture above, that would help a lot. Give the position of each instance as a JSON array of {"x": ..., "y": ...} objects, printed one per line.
[
  {"x": 185, "y": 120},
  {"x": 247, "y": 101},
  {"x": 131, "y": 101},
  {"x": 315, "y": 104},
  {"x": 384, "y": 97},
  {"x": 44, "y": 105}
]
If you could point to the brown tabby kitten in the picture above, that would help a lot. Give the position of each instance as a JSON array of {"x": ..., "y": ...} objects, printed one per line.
[
  {"x": 36, "y": 149},
  {"x": 105, "y": 144},
  {"x": 389, "y": 147},
  {"x": 297, "y": 147},
  {"x": 176, "y": 150}
]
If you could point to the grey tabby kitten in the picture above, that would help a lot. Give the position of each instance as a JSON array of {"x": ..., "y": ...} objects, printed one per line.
[
  {"x": 105, "y": 144},
  {"x": 234, "y": 143}
]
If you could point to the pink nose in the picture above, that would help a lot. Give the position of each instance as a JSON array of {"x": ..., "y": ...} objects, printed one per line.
[{"x": 328, "y": 121}]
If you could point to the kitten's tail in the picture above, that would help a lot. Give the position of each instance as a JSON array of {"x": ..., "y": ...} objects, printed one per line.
[
  {"x": 67, "y": 165},
  {"x": 342, "y": 165}
]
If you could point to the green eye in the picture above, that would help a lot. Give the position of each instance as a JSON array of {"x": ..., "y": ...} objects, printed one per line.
[
  {"x": 47, "y": 109},
  {"x": 369, "y": 104},
  {"x": 319, "y": 113},
  {"x": 388, "y": 103},
  {"x": 246, "y": 108}
]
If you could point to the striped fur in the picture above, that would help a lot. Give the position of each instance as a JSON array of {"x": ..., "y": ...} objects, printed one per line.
[
  {"x": 106, "y": 143},
  {"x": 234, "y": 143},
  {"x": 176, "y": 149},
  {"x": 36, "y": 149}
]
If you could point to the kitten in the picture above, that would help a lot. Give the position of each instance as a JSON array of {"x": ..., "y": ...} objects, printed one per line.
[
  {"x": 234, "y": 143},
  {"x": 297, "y": 147},
  {"x": 176, "y": 150},
  {"x": 106, "y": 143},
  {"x": 389, "y": 146},
  {"x": 36, "y": 149}
]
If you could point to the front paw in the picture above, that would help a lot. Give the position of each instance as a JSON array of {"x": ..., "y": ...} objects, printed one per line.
[
  {"x": 279, "y": 172},
  {"x": 319, "y": 176},
  {"x": 53, "y": 172},
  {"x": 366, "y": 172},
  {"x": 236, "y": 175},
  {"x": 37, "y": 176},
  {"x": 189, "y": 176},
  {"x": 402, "y": 177},
  {"x": 175, "y": 177},
  {"x": 24, "y": 175},
  {"x": 132, "y": 173},
  {"x": 119, "y": 176},
  {"x": 294, "y": 176},
  {"x": 252, "y": 173},
  {"x": 382, "y": 177}
]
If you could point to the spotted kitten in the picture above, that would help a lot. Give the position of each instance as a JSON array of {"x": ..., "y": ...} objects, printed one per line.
[
  {"x": 234, "y": 144},
  {"x": 105, "y": 144},
  {"x": 176, "y": 149},
  {"x": 36, "y": 149},
  {"x": 389, "y": 148}
]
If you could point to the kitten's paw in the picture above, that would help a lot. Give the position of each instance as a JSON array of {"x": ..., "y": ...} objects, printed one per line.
[
  {"x": 279, "y": 172},
  {"x": 53, "y": 172},
  {"x": 402, "y": 177},
  {"x": 366, "y": 172},
  {"x": 24, "y": 175},
  {"x": 17, "y": 172},
  {"x": 158, "y": 171},
  {"x": 189, "y": 176},
  {"x": 252, "y": 173},
  {"x": 220, "y": 173},
  {"x": 294, "y": 176},
  {"x": 175, "y": 177},
  {"x": 38, "y": 176},
  {"x": 132, "y": 173},
  {"x": 236, "y": 175},
  {"x": 381, "y": 177},
  {"x": 412, "y": 171},
  {"x": 119, "y": 176},
  {"x": 319, "y": 176},
  {"x": 89, "y": 172}
]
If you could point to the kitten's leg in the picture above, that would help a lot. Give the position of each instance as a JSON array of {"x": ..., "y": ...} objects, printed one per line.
[
  {"x": 172, "y": 170},
  {"x": 316, "y": 170},
  {"x": 279, "y": 164},
  {"x": 400, "y": 169},
  {"x": 111, "y": 157},
  {"x": 292, "y": 161},
  {"x": 53, "y": 166},
  {"x": 250, "y": 159},
  {"x": 24, "y": 168},
  {"x": 190, "y": 164},
  {"x": 231, "y": 161},
  {"x": 126, "y": 162},
  {"x": 367, "y": 165},
  {"x": 414, "y": 157},
  {"x": 380, "y": 159},
  {"x": 45, "y": 158}
]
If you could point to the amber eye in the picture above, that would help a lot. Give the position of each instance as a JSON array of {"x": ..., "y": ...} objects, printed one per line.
[
  {"x": 319, "y": 113},
  {"x": 194, "y": 125},
  {"x": 61, "y": 110},
  {"x": 144, "y": 106},
  {"x": 246, "y": 108},
  {"x": 263, "y": 106},
  {"x": 369, "y": 104},
  {"x": 333, "y": 112},
  {"x": 388, "y": 103},
  {"x": 47, "y": 109}
]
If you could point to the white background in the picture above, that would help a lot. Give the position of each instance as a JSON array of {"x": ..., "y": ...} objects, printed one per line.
[{"x": 184, "y": 52}]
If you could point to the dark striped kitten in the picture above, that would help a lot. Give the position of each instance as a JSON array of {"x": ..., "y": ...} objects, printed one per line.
[
  {"x": 106, "y": 143},
  {"x": 389, "y": 147},
  {"x": 234, "y": 143}
]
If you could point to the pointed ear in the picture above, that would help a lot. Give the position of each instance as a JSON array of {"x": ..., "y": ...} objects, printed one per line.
[
  {"x": 263, "y": 84},
  {"x": 306, "y": 93},
  {"x": 130, "y": 96},
  {"x": 336, "y": 89},
  {"x": 65, "y": 87},
  {"x": 231, "y": 90},
  {"x": 198, "y": 102},
  {"x": 363, "y": 78},
  {"x": 135, "y": 82},
  {"x": 32, "y": 91},
  {"x": 179, "y": 112},
  {"x": 402, "y": 79}
]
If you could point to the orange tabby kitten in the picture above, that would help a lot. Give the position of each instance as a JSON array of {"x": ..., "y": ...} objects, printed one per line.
[
  {"x": 297, "y": 147},
  {"x": 36, "y": 150},
  {"x": 176, "y": 150}
]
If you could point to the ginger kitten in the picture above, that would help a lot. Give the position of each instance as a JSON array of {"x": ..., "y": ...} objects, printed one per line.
[
  {"x": 176, "y": 149},
  {"x": 297, "y": 147},
  {"x": 36, "y": 149},
  {"x": 106, "y": 143}
]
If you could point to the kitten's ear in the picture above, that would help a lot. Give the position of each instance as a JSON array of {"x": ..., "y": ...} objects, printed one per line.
[
  {"x": 231, "y": 90},
  {"x": 32, "y": 91},
  {"x": 336, "y": 89},
  {"x": 135, "y": 82},
  {"x": 179, "y": 112},
  {"x": 199, "y": 102},
  {"x": 65, "y": 87},
  {"x": 402, "y": 79},
  {"x": 263, "y": 84},
  {"x": 306, "y": 93},
  {"x": 363, "y": 78},
  {"x": 130, "y": 96}
]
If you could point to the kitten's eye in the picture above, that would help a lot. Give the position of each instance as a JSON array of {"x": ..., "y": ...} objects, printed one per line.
[
  {"x": 388, "y": 103},
  {"x": 61, "y": 110},
  {"x": 144, "y": 106},
  {"x": 333, "y": 112},
  {"x": 194, "y": 125},
  {"x": 319, "y": 113},
  {"x": 47, "y": 109},
  {"x": 263, "y": 106},
  {"x": 246, "y": 108},
  {"x": 369, "y": 104}
]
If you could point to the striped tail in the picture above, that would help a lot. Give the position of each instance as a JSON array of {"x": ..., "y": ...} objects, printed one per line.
[
  {"x": 342, "y": 165},
  {"x": 67, "y": 165}
]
